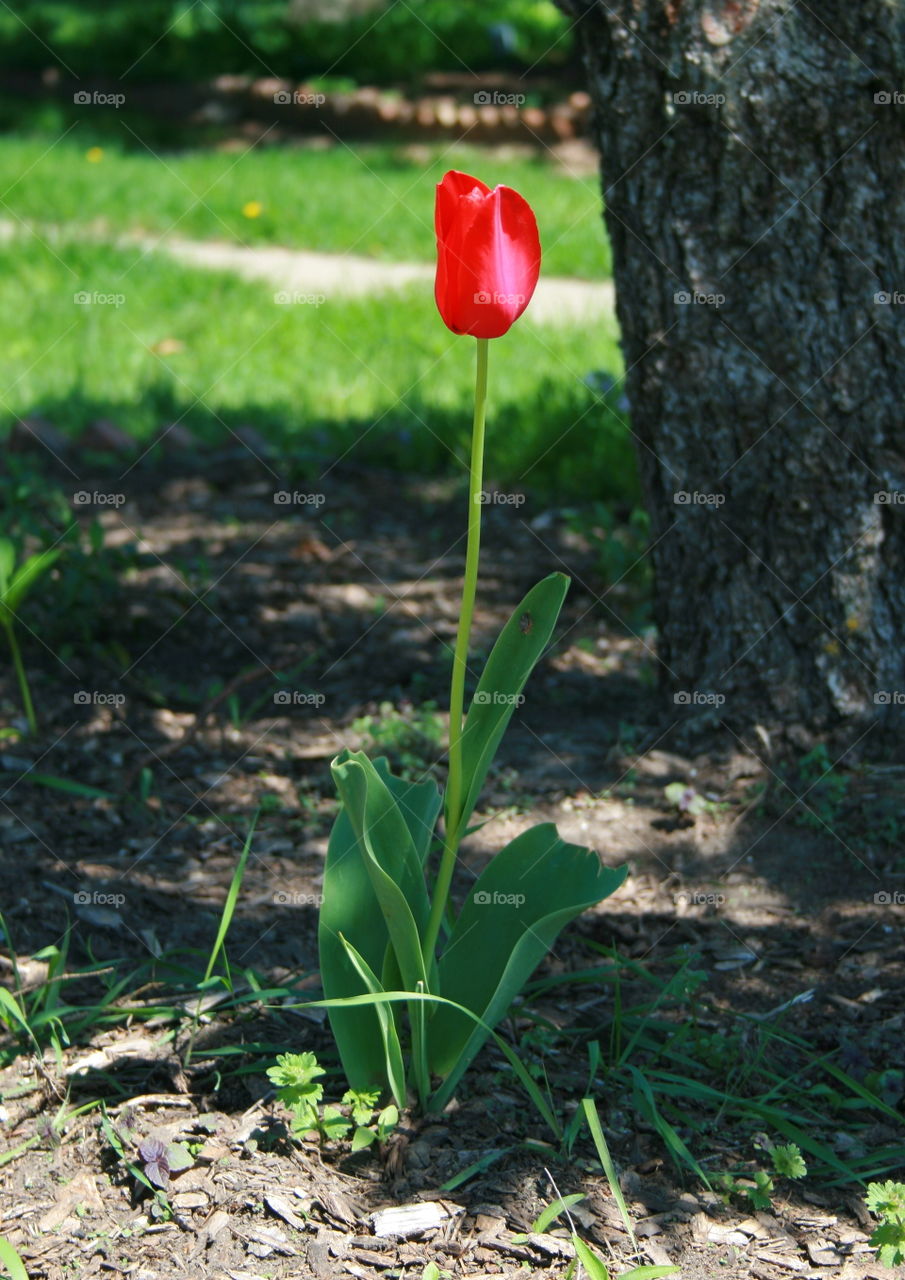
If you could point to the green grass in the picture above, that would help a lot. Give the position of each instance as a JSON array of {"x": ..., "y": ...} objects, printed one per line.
[
  {"x": 381, "y": 377},
  {"x": 372, "y": 199}
]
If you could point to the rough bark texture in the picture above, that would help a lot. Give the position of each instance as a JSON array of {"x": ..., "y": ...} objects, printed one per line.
[{"x": 754, "y": 158}]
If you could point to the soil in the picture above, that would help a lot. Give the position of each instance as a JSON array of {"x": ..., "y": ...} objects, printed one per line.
[{"x": 241, "y": 645}]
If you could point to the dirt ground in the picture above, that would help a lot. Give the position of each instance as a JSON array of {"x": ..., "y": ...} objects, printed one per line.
[{"x": 242, "y": 645}]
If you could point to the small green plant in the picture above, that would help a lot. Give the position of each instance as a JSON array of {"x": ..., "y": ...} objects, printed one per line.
[
  {"x": 584, "y": 1255},
  {"x": 759, "y": 1188},
  {"x": 788, "y": 1162},
  {"x": 822, "y": 788},
  {"x": 411, "y": 737},
  {"x": 687, "y": 800},
  {"x": 886, "y": 1200},
  {"x": 16, "y": 581},
  {"x": 152, "y": 1163},
  {"x": 298, "y": 1089}
]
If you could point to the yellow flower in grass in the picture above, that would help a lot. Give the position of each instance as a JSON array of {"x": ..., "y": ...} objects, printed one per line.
[
  {"x": 252, "y": 209},
  {"x": 94, "y": 155}
]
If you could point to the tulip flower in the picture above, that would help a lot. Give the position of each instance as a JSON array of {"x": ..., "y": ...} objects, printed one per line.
[
  {"x": 488, "y": 256},
  {"x": 488, "y": 262},
  {"x": 379, "y": 932}
]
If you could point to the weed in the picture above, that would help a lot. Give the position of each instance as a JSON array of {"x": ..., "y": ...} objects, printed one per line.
[
  {"x": 18, "y": 576},
  {"x": 886, "y": 1200},
  {"x": 298, "y": 1089},
  {"x": 410, "y": 737}
]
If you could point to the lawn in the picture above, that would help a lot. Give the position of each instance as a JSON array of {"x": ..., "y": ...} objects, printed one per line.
[
  {"x": 378, "y": 378},
  {"x": 369, "y": 199}
]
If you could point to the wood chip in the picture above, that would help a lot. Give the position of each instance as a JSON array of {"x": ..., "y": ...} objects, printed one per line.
[
  {"x": 280, "y": 1206},
  {"x": 552, "y": 1245},
  {"x": 338, "y": 1207},
  {"x": 657, "y": 1254},
  {"x": 80, "y": 1191},
  {"x": 823, "y": 1254},
  {"x": 217, "y": 1222},
  {"x": 409, "y": 1219},
  {"x": 263, "y": 1241},
  {"x": 782, "y": 1260},
  {"x": 190, "y": 1200}
]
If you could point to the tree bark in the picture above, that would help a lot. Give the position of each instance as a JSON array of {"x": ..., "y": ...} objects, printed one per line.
[{"x": 753, "y": 156}]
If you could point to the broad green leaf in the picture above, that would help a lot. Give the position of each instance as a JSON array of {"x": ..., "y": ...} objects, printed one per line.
[
  {"x": 350, "y": 908},
  {"x": 512, "y": 915},
  {"x": 391, "y": 861},
  {"x": 179, "y": 1157},
  {"x": 392, "y": 1065},
  {"x": 362, "y": 1138},
  {"x": 25, "y": 577},
  {"x": 512, "y": 659}
]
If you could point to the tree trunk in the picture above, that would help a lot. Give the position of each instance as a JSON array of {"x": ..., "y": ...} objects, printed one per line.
[{"x": 754, "y": 184}]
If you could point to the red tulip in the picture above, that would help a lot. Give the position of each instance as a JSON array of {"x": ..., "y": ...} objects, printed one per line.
[{"x": 488, "y": 256}]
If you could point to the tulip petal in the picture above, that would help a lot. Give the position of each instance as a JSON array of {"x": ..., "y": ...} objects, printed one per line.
[{"x": 488, "y": 256}]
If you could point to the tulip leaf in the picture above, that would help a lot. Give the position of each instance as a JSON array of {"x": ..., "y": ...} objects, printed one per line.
[
  {"x": 350, "y": 907},
  {"x": 512, "y": 659},
  {"x": 390, "y": 859},
  {"x": 512, "y": 915},
  {"x": 393, "y": 1065}
]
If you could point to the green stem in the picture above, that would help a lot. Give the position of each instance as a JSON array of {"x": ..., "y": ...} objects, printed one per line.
[
  {"x": 23, "y": 682},
  {"x": 453, "y": 809}
]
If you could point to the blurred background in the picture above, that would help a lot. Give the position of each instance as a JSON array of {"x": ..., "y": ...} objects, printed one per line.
[{"x": 136, "y": 137}]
